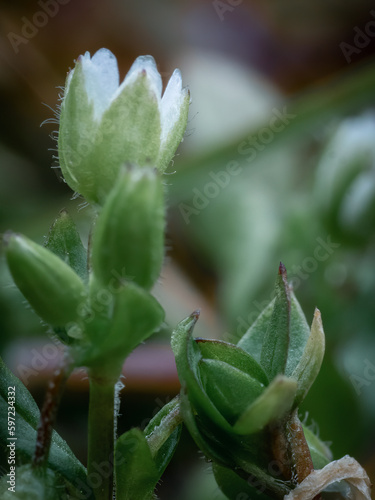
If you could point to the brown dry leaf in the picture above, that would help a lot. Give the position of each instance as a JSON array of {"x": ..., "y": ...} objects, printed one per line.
[{"x": 346, "y": 469}]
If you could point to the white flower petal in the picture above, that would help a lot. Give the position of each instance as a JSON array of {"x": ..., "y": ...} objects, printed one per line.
[
  {"x": 171, "y": 104},
  {"x": 101, "y": 79},
  {"x": 147, "y": 64}
]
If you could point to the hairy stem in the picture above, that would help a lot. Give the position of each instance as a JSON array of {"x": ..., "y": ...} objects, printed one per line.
[{"x": 101, "y": 435}]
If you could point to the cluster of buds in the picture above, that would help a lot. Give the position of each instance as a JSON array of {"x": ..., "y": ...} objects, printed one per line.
[
  {"x": 115, "y": 141},
  {"x": 240, "y": 401}
]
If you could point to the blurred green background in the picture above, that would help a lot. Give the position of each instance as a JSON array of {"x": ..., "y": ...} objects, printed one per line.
[{"x": 278, "y": 163}]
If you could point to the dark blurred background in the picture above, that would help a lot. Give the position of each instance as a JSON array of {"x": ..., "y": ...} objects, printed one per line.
[{"x": 303, "y": 193}]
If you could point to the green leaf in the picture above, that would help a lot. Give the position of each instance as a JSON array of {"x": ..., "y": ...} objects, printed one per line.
[
  {"x": 64, "y": 241},
  {"x": 213, "y": 449},
  {"x": 188, "y": 355},
  {"x": 136, "y": 471},
  {"x": 236, "y": 488},
  {"x": 298, "y": 335},
  {"x": 320, "y": 453},
  {"x": 163, "y": 434},
  {"x": 52, "y": 288},
  {"x": 272, "y": 404},
  {"x": 309, "y": 365},
  {"x": 128, "y": 241},
  {"x": 231, "y": 354},
  {"x": 61, "y": 459},
  {"x": 275, "y": 346},
  {"x": 136, "y": 315},
  {"x": 252, "y": 340},
  {"x": 230, "y": 389},
  {"x": 299, "y": 331}
]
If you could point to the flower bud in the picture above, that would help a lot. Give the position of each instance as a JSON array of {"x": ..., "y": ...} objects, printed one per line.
[
  {"x": 51, "y": 287},
  {"x": 128, "y": 241},
  {"x": 104, "y": 125}
]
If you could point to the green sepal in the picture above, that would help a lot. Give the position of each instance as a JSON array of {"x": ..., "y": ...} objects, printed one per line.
[
  {"x": 77, "y": 133},
  {"x": 51, "y": 287},
  {"x": 165, "y": 427},
  {"x": 236, "y": 488},
  {"x": 188, "y": 355},
  {"x": 311, "y": 360},
  {"x": 136, "y": 471},
  {"x": 275, "y": 345},
  {"x": 33, "y": 484},
  {"x": 61, "y": 458},
  {"x": 129, "y": 131},
  {"x": 64, "y": 241},
  {"x": 230, "y": 389},
  {"x": 271, "y": 405},
  {"x": 132, "y": 317},
  {"x": 168, "y": 148},
  {"x": 128, "y": 241},
  {"x": 320, "y": 453}
]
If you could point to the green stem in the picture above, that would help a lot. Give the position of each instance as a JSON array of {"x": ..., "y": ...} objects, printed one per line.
[{"x": 101, "y": 435}]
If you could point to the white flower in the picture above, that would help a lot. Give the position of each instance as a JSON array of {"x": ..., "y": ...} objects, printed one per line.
[{"x": 104, "y": 124}]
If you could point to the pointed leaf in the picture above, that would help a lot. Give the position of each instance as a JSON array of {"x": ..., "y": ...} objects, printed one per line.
[
  {"x": 61, "y": 458},
  {"x": 136, "y": 471},
  {"x": 272, "y": 404},
  {"x": 187, "y": 356},
  {"x": 163, "y": 434},
  {"x": 64, "y": 241},
  {"x": 252, "y": 340},
  {"x": 136, "y": 315},
  {"x": 298, "y": 335},
  {"x": 231, "y": 390},
  {"x": 231, "y": 354},
  {"x": 276, "y": 341},
  {"x": 309, "y": 365}
]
